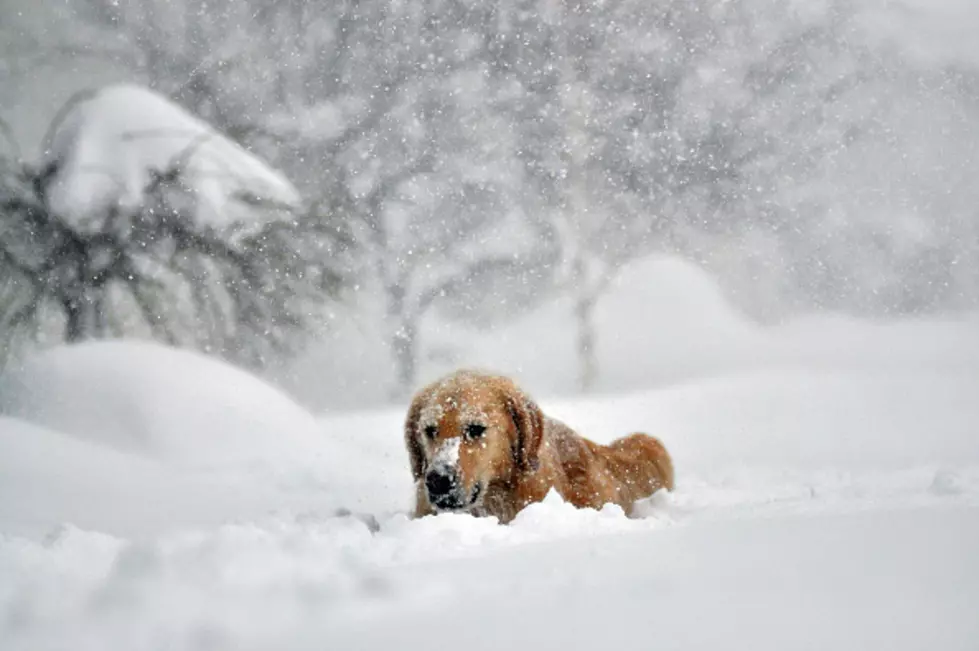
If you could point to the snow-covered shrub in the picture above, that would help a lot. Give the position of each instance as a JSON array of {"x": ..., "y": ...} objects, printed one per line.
[{"x": 142, "y": 219}]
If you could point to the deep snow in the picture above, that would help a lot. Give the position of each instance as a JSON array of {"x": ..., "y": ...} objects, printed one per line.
[
  {"x": 828, "y": 497},
  {"x": 135, "y": 438}
]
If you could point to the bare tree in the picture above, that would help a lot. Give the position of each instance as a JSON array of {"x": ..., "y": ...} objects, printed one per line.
[
  {"x": 650, "y": 127},
  {"x": 451, "y": 270}
]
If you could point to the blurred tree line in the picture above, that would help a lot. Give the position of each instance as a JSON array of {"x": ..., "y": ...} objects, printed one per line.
[{"x": 478, "y": 158}]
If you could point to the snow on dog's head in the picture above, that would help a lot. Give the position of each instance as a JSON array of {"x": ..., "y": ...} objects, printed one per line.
[
  {"x": 464, "y": 432},
  {"x": 447, "y": 454}
]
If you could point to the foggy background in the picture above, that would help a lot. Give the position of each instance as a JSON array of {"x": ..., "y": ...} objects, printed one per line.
[{"x": 499, "y": 182}]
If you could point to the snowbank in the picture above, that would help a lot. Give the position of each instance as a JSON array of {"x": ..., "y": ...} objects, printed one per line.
[
  {"x": 135, "y": 438},
  {"x": 110, "y": 141},
  {"x": 156, "y": 400},
  {"x": 48, "y": 478}
]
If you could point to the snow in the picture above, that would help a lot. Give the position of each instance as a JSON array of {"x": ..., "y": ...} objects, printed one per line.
[
  {"x": 665, "y": 320},
  {"x": 127, "y": 424},
  {"x": 47, "y": 477},
  {"x": 829, "y": 582},
  {"x": 447, "y": 454},
  {"x": 146, "y": 397},
  {"x": 110, "y": 141},
  {"x": 827, "y": 497}
]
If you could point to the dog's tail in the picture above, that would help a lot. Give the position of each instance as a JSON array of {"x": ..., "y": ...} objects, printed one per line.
[
  {"x": 644, "y": 462},
  {"x": 663, "y": 462}
]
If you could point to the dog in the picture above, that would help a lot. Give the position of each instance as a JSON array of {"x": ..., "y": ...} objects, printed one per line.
[{"x": 478, "y": 444}]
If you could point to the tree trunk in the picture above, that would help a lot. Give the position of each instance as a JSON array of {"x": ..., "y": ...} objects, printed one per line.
[
  {"x": 584, "y": 311},
  {"x": 404, "y": 345},
  {"x": 404, "y": 340},
  {"x": 74, "y": 320}
]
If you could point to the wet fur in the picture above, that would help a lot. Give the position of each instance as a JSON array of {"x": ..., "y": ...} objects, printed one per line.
[{"x": 524, "y": 454}]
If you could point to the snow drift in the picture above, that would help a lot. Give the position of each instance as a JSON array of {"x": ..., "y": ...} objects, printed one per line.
[
  {"x": 155, "y": 400},
  {"x": 137, "y": 438}
]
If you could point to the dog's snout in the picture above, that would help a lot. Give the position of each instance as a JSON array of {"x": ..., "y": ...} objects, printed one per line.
[{"x": 440, "y": 482}]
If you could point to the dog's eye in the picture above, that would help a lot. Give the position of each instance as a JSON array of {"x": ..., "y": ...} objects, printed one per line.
[
  {"x": 475, "y": 431},
  {"x": 431, "y": 431}
]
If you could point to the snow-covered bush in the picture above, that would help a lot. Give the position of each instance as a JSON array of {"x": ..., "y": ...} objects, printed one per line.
[{"x": 142, "y": 219}]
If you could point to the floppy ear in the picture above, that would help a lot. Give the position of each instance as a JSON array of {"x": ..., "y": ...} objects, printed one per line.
[
  {"x": 528, "y": 421},
  {"x": 415, "y": 454}
]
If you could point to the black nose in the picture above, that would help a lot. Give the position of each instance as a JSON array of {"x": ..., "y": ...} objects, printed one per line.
[{"x": 440, "y": 483}]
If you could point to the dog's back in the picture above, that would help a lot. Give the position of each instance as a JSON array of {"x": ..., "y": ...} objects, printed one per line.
[{"x": 589, "y": 474}]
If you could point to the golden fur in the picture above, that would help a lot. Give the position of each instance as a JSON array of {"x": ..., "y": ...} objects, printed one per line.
[{"x": 522, "y": 454}]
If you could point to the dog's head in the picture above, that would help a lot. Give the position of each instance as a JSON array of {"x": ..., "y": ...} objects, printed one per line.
[{"x": 468, "y": 430}]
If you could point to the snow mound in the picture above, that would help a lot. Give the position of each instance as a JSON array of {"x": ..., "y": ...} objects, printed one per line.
[
  {"x": 105, "y": 149},
  {"x": 48, "y": 478},
  {"x": 134, "y": 438},
  {"x": 666, "y": 318},
  {"x": 162, "y": 402}
]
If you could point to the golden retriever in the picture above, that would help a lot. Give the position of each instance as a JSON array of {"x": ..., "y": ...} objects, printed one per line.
[{"x": 479, "y": 444}]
